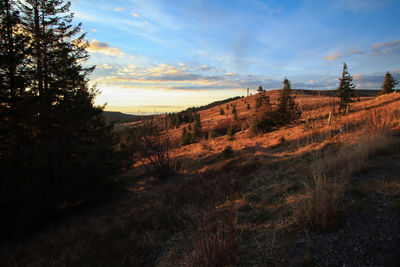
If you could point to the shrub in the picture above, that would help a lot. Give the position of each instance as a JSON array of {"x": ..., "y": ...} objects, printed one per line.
[
  {"x": 320, "y": 208},
  {"x": 227, "y": 152},
  {"x": 230, "y": 133},
  {"x": 216, "y": 243},
  {"x": 262, "y": 124}
]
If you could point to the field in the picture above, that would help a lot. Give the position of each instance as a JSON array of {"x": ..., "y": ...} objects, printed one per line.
[{"x": 322, "y": 190}]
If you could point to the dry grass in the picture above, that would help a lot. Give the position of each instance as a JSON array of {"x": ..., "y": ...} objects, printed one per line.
[
  {"x": 147, "y": 225},
  {"x": 216, "y": 243},
  {"x": 319, "y": 209},
  {"x": 321, "y": 206}
]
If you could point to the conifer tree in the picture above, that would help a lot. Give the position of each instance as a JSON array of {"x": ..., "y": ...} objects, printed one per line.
[
  {"x": 262, "y": 99},
  {"x": 197, "y": 129},
  {"x": 71, "y": 155},
  {"x": 234, "y": 112},
  {"x": 230, "y": 133},
  {"x": 13, "y": 95},
  {"x": 287, "y": 108},
  {"x": 346, "y": 88},
  {"x": 389, "y": 84}
]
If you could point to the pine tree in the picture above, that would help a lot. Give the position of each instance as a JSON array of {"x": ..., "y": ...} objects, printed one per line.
[
  {"x": 346, "y": 88},
  {"x": 262, "y": 99},
  {"x": 230, "y": 133},
  {"x": 197, "y": 129},
  {"x": 71, "y": 154},
  {"x": 234, "y": 112},
  {"x": 287, "y": 108},
  {"x": 389, "y": 84}
]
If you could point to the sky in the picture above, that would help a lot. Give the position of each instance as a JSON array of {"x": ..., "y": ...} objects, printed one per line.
[{"x": 157, "y": 56}]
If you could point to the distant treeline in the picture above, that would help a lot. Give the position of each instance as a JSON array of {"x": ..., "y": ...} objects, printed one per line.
[
  {"x": 333, "y": 92},
  {"x": 119, "y": 117},
  {"x": 187, "y": 115}
]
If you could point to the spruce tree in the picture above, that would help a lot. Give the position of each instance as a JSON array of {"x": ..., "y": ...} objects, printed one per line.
[
  {"x": 234, "y": 112},
  {"x": 389, "y": 84},
  {"x": 13, "y": 94},
  {"x": 346, "y": 88},
  {"x": 287, "y": 108},
  {"x": 262, "y": 99},
  {"x": 197, "y": 129},
  {"x": 71, "y": 154}
]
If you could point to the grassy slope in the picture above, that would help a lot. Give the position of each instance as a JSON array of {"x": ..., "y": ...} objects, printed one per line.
[{"x": 156, "y": 224}]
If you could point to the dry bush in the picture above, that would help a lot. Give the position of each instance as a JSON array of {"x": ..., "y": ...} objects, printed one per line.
[
  {"x": 215, "y": 240},
  {"x": 374, "y": 138},
  {"x": 222, "y": 126},
  {"x": 320, "y": 208}
]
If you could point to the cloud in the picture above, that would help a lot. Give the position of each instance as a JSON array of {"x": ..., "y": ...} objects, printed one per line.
[
  {"x": 372, "y": 81},
  {"x": 333, "y": 56},
  {"x": 356, "y": 51},
  {"x": 93, "y": 30},
  {"x": 364, "y": 5},
  {"x": 205, "y": 68},
  {"x": 104, "y": 67},
  {"x": 384, "y": 48},
  {"x": 136, "y": 15},
  {"x": 170, "y": 77},
  {"x": 96, "y": 46},
  {"x": 374, "y": 50},
  {"x": 118, "y": 9}
]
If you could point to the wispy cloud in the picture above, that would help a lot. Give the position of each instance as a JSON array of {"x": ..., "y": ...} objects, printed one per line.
[
  {"x": 96, "y": 46},
  {"x": 372, "y": 81},
  {"x": 104, "y": 67},
  {"x": 384, "y": 48},
  {"x": 363, "y": 5},
  {"x": 333, "y": 56},
  {"x": 136, "y": 15},
  {"x": 118, "y": 9}
]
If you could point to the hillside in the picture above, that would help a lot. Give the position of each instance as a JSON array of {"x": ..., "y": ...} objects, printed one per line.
[
  {"x": 119, "y": 117},
  {"x": 308, "y": 193}
]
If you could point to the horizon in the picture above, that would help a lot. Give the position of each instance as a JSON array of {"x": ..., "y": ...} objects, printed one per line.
[{"x": 169, "y": 56}]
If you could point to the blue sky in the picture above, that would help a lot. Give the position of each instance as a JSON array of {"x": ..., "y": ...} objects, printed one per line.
[{"x": 157, "y": 56}]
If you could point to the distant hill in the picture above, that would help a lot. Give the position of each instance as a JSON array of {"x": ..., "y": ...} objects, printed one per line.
[
  {"x": 119, "y": 117},
  {"x": 360, "y": 92}
]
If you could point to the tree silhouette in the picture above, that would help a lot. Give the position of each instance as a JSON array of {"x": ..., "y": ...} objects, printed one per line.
[
  {"x": 287, "y": 108},
  {"x": 346, "y": 88},
  {"x": 389, "y": 84},
  {"x": 67, "y": 152}
]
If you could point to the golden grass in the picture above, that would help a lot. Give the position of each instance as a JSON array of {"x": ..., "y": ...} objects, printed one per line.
[{"x": 150, "y": 225}]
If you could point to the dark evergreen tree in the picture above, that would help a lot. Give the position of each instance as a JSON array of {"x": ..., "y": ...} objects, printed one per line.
[
  {"x": 262, "y": 99},
  {"x": 389, "y": 84},
  {"x": 197, "y": 128},
  {"x": 287, "y": 108},
  {"x": 234, "y": 112},
  {"x": 186, "y": 137},
  {"x": 70, "y": 157},
  {"x": 346, "y": 88},
  {"x": 221, "y": 111},
  {"x": 13, "y": 94},
  {"x": 230, "y": 133}
]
